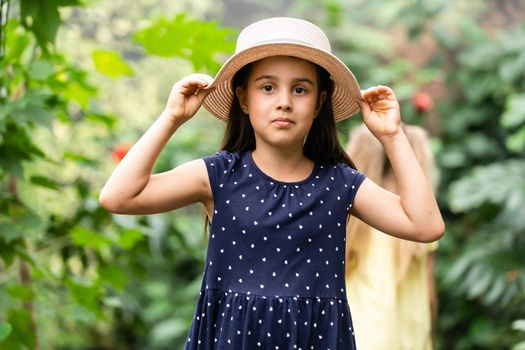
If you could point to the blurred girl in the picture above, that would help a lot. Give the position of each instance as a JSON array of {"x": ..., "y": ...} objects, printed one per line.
[{"x": 390, "y": 281}]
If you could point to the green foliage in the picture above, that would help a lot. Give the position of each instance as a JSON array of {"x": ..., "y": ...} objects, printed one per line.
[
  {"x": 72, "y": 274},
  {"x": 519, "y": 325},
  {"x": 5, "y": 330},
  {"x": 43, "y": 19},
  {"x": 197, "y": 41},
  {"x": 111, "y": 64},
  {"x": 483, "y": 185}
]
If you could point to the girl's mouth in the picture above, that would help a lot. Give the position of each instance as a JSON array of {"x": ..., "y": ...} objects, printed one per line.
[{"x": 283, "y": 122}]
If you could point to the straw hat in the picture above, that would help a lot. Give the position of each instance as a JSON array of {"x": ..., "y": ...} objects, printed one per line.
[{"x": 285, "y": 36}]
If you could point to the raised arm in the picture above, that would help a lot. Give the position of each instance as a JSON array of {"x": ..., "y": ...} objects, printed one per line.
[
  {"x": 132, "y": 189},
  {"x": 414, "y": 214}
]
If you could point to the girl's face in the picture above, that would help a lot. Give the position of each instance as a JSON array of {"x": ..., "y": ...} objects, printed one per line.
[{"x": 282, "y": 99}]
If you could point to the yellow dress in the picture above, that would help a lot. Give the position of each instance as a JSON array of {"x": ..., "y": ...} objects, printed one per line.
[{"x": 387, "y": 313}]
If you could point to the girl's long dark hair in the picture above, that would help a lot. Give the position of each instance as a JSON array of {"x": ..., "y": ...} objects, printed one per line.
[{"x": 322, "y": 143}]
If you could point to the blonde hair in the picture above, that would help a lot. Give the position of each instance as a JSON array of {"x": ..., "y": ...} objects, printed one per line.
[{"x": 370, "y": 159}]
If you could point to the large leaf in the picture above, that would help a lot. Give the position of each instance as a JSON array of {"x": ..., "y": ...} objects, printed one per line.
[
  {"x": 43, "y": 18},
  {"x": 5, "y": 330},
  {"x": 86, "y": 295},
  {"x": 490, "y": 271},
  {"x": 111, "y": 63},
  {"x": 90, "y": 239},
  {"x": 41, "y": 69},
  {"x": 130, "y": 237},
  {"x": 113, "y": 276},
  {"x": 514, "y": 111},
  {"x": 195, "y": 40},
  {"x": 488, "y": 184}
]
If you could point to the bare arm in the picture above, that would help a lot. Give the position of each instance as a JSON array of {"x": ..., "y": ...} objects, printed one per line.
[
  {"x": 414, "y": 214},
  {"x": 132, "y": 189}
]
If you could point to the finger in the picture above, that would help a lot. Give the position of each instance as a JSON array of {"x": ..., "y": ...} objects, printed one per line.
[
  {"x": 206, "y": 80},
  {"x": 378, "y": 93},
  {"x": 364, "y": 106},
  {"x": 190, "y": 85},
  {"x": 202, "y": 93}
]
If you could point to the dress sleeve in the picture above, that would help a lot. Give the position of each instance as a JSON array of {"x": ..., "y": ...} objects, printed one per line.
[
  {"x": 218, "y": 166},
  {"x": 353, "y": 180}
]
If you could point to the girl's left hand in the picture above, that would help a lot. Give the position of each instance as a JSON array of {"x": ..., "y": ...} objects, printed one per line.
[{"x": 380, "y": 110}]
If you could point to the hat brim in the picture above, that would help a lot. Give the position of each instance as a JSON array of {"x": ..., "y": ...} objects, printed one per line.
[{"x": 346, "y": 89}]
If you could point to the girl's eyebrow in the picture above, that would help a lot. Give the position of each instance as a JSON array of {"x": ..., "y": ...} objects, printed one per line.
[{"x": 273, "y": 77}]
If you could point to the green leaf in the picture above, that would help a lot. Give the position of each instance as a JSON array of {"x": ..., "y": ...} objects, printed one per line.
[
  {"x": 80, "y": 158},
  {"x": 473, "y": 190},
  {"x": 74, "y": 90},
  {"x": 195, "y": 40},
  {"x": 514, "y": 114},
  {"x": 21, "y": 292},
  {"x": 90, "y": 239},
  {"x": 16, "y": 41},
  {"x": 30, "y": 108},
  {"x": 20, "y": 224},
  {"x": 129, "y": 238},
  {"x": 106, "y": 119},
  {"x": 113, "y": 276},
  {"x": 43, "y": 18},
  {"x": 30, "y": 224},
  {"x": 44, "y": 182},
  {"x": 85, "y": 295},
  {"x": 23, "y": 332},
  {"x": 45, "y": 23},
  {"x": 168, "y": 330},
  {"x": 41, "y": 69},
  {"x": 111, "y": 63},
  {"x": 519, "y": 346},
  {"x": 519, "y": 325},
  {"x": 512, "y": 68},
  {"x": 8, "y": 230},
  {"x": 5, "y": 330},
  {"x": 516, "y": 142}
]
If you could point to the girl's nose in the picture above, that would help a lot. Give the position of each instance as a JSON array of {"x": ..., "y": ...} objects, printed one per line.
[{"x": 285, "y": 101}]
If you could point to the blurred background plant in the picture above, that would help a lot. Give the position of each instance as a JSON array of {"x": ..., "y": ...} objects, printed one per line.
[{"x": 80, "y": 80}]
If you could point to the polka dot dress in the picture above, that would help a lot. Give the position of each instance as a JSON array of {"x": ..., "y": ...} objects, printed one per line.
[{"x": 274, "y": 275}]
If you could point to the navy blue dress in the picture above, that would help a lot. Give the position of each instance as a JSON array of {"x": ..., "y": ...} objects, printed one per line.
[{"x": 275, "y": 265}]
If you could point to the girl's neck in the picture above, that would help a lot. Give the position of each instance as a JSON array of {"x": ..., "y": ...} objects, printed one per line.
[{"x": 286, "y": 165}]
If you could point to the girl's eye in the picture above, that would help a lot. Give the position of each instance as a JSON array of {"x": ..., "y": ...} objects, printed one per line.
[
  {"x": 299, "y": 90},
  {"x": 268, "y": 88}
]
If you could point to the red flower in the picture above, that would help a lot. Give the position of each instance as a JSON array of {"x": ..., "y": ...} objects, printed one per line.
[
  {"x": 422, "y": 102},
  {"x": 120, "y": 151}
]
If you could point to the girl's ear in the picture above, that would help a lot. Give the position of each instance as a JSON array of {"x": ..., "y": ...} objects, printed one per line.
[
  {"x": 241, "y": 96},
  {"x": 322, "y": 98}
]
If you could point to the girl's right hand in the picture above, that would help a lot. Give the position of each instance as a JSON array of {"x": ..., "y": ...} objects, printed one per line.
[{"x": 186, "y": 97}]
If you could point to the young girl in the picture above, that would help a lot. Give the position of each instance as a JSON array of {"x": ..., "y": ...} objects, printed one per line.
[{"x": 279, "y": 194}]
